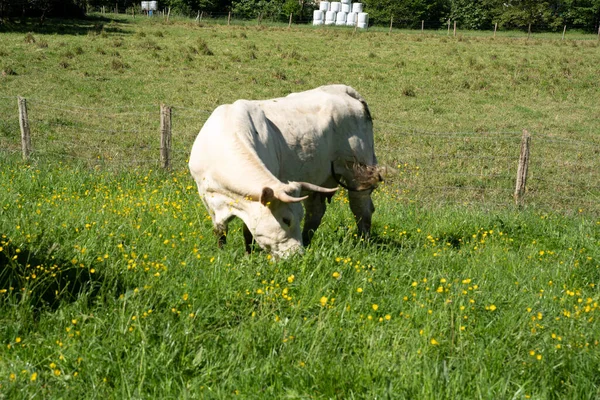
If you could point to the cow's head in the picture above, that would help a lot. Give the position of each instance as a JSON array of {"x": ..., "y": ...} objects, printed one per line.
[{"x": 277, "y": 217}]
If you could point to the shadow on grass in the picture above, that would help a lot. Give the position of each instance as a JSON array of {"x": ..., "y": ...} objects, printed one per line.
[
  {"x": 64, "y": 26},
  {"x": 44, "y": 281},
  {"x": 381, "y": 242}
]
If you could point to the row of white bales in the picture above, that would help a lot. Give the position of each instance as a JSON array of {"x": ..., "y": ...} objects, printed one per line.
[{"x": 340, "y": 13}]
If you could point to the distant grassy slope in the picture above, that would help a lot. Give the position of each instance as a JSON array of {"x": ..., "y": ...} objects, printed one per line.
[{"x": 94, "y": 93}]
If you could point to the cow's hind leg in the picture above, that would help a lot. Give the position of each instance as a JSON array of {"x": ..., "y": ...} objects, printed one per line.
[
  {"x": 362, "y": 207},
  {"x": 315, "y": 209}
]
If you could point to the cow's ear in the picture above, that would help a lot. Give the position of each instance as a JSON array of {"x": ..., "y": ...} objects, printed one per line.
[{"x": 267, "y": 196}]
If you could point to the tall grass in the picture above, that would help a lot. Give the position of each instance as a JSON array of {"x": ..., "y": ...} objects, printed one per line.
[{"x": 447, "y": 302}]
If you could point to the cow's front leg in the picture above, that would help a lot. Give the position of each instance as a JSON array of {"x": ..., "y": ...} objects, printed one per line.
[
  {"x": 362, "y": 207},
  {"x": 315, "y": 209},
  {"x": 248, "y": 239},
  {"x": 220, "y": 227},
  {"x": 220, "y": 231}
]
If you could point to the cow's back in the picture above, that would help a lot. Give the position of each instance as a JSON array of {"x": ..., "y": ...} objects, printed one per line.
[
  {"x": 295, "y": 138},
  {"x": 319, "y": 126},
  {"x": 226, "y": 152}
]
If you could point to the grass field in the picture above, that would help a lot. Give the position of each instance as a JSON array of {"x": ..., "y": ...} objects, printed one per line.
[{"x": 111, "y": 284}]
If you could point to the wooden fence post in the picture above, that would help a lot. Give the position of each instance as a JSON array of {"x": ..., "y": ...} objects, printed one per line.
[
  {"x": 168, "y": 14},
  {"x": 24, "y": 124},
  {"x": 564, "y": 31},
  {"x": 528, "y": 31},
  {"x": 495, "y": 29},
  {"x": 391, "y": 22},
  {"x": 454, "y": 28},
  {"x": 523, "y": 167},
  {"x": 290, "y": 24},
  {"x": 229, "y": 18},
  {"x": 448, "y": 26},
  {"x": 422, "y": 26},
  {"x": 165, "y": 136}
]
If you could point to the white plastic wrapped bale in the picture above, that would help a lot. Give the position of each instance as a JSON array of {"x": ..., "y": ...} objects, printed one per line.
[
  {"x": 357, "y": 7},
  {"x": 345, "y": 1},
  {"x": 351, "y": 19},
  {"x": 340, "y": 18},
  {"x": 336, "y": 6},
  {"x": 318, "y": 17},
  {"x": 324, "y": 6},
  {"x": 363, "y": 20},
  {"x": 346, "y": 8},
  {"x": 330, "y": 17}
]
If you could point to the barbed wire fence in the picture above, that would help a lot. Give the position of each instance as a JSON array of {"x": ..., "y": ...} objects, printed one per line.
[{"x": 471, "y": 168}]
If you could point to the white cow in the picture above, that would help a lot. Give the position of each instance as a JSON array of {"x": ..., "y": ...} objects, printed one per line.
[{"x": 258, "y": 160}]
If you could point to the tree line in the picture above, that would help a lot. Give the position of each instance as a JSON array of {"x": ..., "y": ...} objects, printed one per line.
[{"x": 469, "y": 14}]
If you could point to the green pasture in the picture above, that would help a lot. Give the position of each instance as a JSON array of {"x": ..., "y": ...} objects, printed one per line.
[{"x": 111, "y": 284}]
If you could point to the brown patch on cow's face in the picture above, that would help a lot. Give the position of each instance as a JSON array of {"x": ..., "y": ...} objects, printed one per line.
[{"x": 267, "y": 196}]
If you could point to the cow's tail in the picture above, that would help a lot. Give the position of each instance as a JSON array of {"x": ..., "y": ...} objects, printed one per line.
[
  {"x": 354, "y": 94},
  {"x": 368, "y": 176}
]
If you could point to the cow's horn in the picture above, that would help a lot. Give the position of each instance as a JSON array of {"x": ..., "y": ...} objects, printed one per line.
[
  {"x": 315, "y": 188},
  {"x": 286, "y": 198},
  {"x": 269, "y": 194}
]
